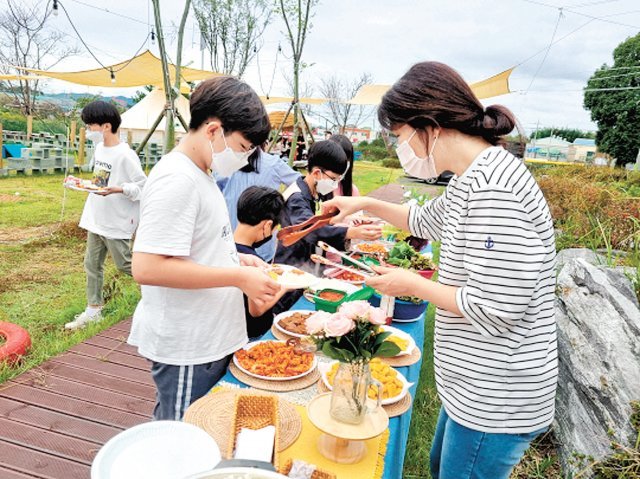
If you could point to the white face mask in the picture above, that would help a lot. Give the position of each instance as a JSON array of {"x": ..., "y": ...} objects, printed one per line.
[
  {"x": 326, "y": 186},
  {"x": 95, "y": 136},
  {"x": 424, "y": 168},
  {"x": 228, "y": 161}
]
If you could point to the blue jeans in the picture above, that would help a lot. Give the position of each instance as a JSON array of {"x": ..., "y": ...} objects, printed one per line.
[{"x": 462, "y": 453}]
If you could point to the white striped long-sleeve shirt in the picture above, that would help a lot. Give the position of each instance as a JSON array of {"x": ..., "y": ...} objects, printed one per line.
[{"x": 496, "y": 366}]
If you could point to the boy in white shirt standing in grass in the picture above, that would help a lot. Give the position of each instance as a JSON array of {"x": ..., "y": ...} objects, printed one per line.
[
  {"x": 111, "y": 215},
  {"x": 191, "y": 317}
]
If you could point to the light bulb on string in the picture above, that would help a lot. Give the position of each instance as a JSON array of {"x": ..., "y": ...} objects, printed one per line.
[
  {"x": 153, "y": 37},
  {"x": 55, "y": 8},
  {"x": 113, "y": 77}
]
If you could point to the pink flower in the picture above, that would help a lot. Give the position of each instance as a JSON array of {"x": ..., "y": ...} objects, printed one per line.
[
  {"x": 315, "y": 323},
  {"x": 377, "y": 316},
  {"x": 356, "y": 310},
  {"x": 338, "y": 325}
]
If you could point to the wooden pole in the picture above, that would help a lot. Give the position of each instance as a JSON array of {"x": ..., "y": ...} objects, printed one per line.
[
  {"x": 149, "y": 133},
  {"x": 277, "y": 133},
  {"x": 168, "y": 111},
  {"x": 81, "y": 147},
  {"x": 129, "y": 137},
  {"x": 29, "y": 126},
  {"x": 72, "y": 132}
]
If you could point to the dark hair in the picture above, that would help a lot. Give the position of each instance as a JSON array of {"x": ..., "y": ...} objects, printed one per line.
[
  {"x": 235, "y": 104},
  {"x": 434, "y": 94},
  {"x": 327, "y": 155},
  {"x": 259, "y": 203},
  {"x": 101, "y": 112},
  {"x": 347, "y": 146}
]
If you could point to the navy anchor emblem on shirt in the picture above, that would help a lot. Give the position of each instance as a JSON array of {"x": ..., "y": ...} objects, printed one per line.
[{"x": 489, "y": 243}]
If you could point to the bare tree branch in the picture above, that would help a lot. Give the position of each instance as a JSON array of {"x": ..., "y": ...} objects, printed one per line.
[
  {"x": 231, "y": 30},
  {"x": 25, "y": 41},
  {"x": 338, "y": 91}
]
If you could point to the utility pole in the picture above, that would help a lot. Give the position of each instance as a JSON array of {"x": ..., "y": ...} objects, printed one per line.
[{"x": 638, "y": 160}]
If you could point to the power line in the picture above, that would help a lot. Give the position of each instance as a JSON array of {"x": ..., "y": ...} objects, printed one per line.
[
  {"x": 553, "y": 36},
  {"x": 601, "y": 19},
  {"x": 111, "y": 70}
]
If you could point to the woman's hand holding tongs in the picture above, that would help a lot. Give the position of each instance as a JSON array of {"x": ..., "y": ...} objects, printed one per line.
[
  {"x": 394, "y": 281},
  {"x": 346, "y": 205}
]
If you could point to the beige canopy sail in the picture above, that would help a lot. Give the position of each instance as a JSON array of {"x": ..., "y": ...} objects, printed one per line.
[
  {"x": 493, "y": 86},
  {"x": 144, "y": 69},
  {"x": 9, "y": 77},
  {"x": 288, "y": 99}
]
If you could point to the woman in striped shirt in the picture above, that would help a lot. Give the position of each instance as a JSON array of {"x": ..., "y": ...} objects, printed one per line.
[{"x": 495, "y": 352}]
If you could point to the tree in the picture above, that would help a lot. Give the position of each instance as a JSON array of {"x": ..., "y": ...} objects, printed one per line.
[
  {"x": 26, "y": 41},
  {"x": 612, "y": 95},
  {"x": 338, "y": 91},
  {"x": 231, "y": 30},
  {"x": 569, "y": 134},
  {"x": 297, "y": 16}
]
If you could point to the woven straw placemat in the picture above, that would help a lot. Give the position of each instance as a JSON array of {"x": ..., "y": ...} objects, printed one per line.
[
  {"x": 214, "y": 413},
  {"x": 279, "y": 334},
  {"x": 405, "y": 359},
  {"x": 291, "y": 385},
  {"x": 396, "y": 409}
]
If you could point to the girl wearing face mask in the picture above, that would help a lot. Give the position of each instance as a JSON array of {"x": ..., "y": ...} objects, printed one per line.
[{"x": 495, "y": 354}]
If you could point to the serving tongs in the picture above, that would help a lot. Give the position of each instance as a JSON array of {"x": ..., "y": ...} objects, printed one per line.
[
  {"x": 292, "y": 234},
  {"x": 316, "y": 258},
  {"x": 330, "y": 249}
]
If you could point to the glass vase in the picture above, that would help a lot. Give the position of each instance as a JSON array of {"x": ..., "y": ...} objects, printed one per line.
[{"x": 349, "y": 396}]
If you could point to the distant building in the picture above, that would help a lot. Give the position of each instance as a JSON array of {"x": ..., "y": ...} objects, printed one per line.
[
  {"x": 356, "y": 135},
  {"x": 551, "y": 148},
  {"x": 582, "y": 150}
]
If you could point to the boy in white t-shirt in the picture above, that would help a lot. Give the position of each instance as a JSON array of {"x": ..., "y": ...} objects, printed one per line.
[
  {"x": 111, "y": 215},
  {"x": 191, "y": 317}
]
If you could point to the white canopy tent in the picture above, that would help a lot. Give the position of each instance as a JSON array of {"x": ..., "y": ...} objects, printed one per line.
[{"x": 140, "y": 117}]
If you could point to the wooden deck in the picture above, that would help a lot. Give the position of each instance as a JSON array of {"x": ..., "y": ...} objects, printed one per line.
[{"x": 54, "y": 418}]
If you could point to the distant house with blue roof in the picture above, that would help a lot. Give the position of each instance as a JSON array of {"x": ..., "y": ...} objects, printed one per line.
[{"x": 582, "y": 150}]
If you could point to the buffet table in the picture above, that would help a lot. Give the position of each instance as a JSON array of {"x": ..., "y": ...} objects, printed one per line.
[{"x": 398, "y": 431}]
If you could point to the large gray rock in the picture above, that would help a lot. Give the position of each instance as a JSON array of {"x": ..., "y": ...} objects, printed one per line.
[{"x": 599, "y": 358}]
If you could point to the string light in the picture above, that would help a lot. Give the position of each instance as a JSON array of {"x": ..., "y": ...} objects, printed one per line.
[
  {"x": 55, "y": 8},
  {"x": 113, "y": 76},
  {"x": 153, "y": 37}
]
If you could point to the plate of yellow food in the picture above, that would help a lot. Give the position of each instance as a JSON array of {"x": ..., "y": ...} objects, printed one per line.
[
  {"x": 290, "y": 277},
  {"x": 394, "y": 385},
  {"x": 274, "y": 361},
  {"x": 403, "y": 340}
]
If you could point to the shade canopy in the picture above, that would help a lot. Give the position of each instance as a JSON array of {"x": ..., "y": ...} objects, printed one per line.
[
  {"x": 493, "y": 86},
  {"x": 276, "y": 117},
  {"x": 143, "y": 114},
  {"x": 144, "y": 69},
  {"x": 9, "y": 77}
]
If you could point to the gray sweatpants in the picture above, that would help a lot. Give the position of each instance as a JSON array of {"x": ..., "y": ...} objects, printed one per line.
[{"x": 96, "y": 253}]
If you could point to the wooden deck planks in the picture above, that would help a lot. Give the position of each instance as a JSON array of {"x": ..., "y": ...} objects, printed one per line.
[{"x": 54, "y": 418}]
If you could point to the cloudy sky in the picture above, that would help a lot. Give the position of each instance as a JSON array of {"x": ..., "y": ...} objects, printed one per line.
[{"x": 384, "y": 38}]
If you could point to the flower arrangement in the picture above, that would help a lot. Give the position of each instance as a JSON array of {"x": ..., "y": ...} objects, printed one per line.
[{"x": 352, "y": 334}]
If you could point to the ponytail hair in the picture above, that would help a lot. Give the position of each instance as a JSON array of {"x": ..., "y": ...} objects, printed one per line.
[{"x": 434, "y": 94}]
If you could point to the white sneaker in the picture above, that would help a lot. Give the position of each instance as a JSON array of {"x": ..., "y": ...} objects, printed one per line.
[{"x": 81, "y": 320}]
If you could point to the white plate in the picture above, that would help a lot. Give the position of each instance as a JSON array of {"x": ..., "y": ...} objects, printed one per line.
[
  {"x": 290, "y": 280},
  {"x": 268, "y": 378},
  {"x": 398, "y": 332},
  {"x": 159, "y": 450},
  {"x": 286, "y": 314},
  {"x": 325, "y": 367},
  {"x": 334, "y": 272},
  {"x": 77, "y": 188},
  {"x": 385, "y": 244}
]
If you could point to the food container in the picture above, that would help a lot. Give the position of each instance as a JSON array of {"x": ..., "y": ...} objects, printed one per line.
[
  {"x": 327, "y": 303},
  {"x": 403, "y": 310},
  {"x": 254, "y": 412}
]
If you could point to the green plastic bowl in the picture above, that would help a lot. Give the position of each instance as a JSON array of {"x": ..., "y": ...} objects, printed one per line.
[{"x": 328, "y": 306}]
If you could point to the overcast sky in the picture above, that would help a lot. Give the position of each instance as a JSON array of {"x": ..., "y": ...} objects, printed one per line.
[{"x": 384, "y": 38}]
